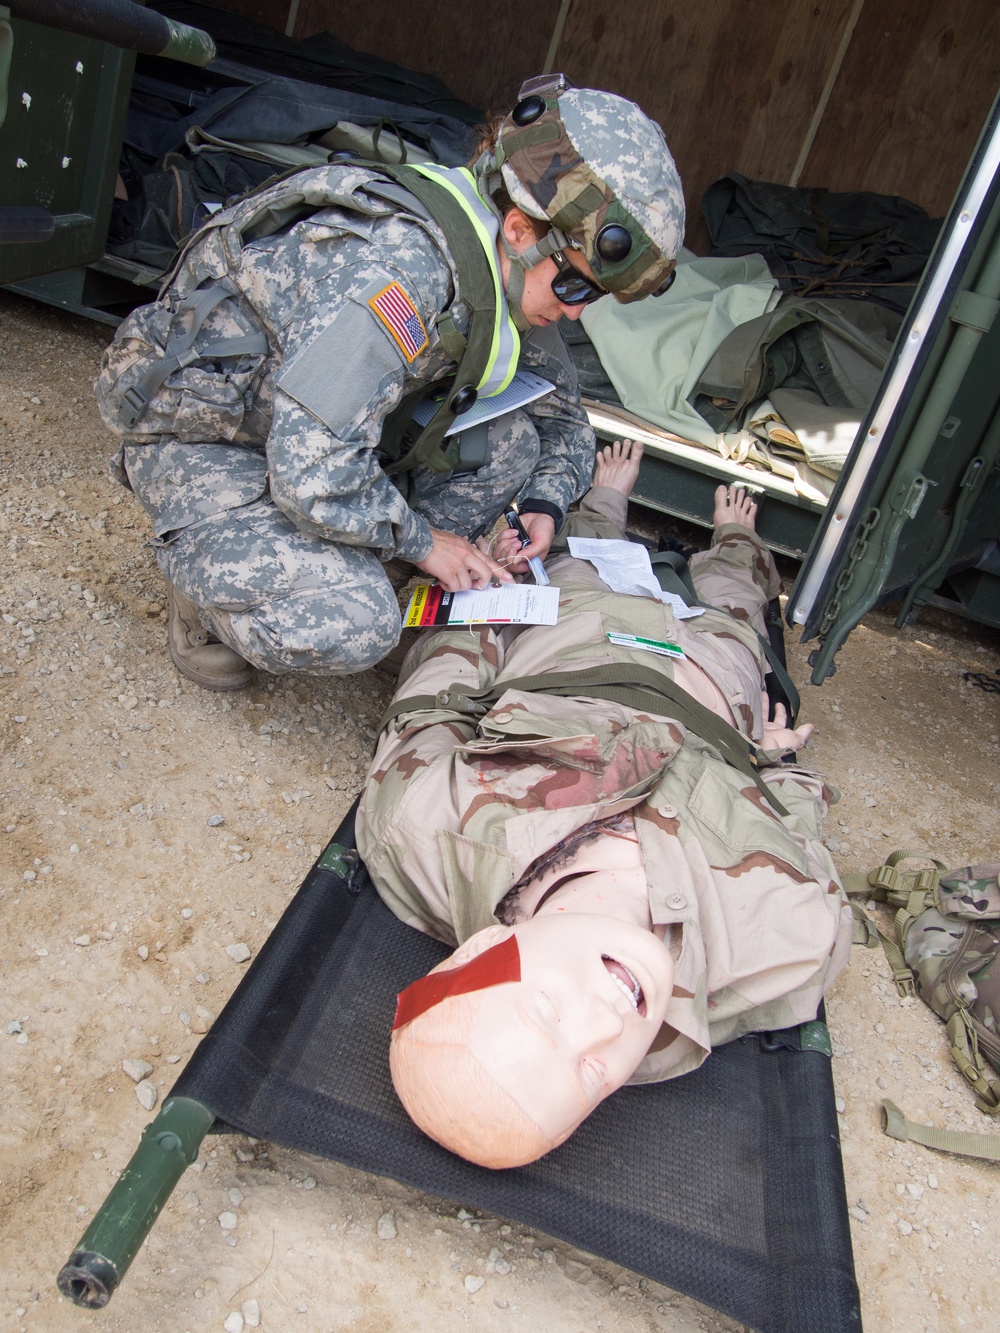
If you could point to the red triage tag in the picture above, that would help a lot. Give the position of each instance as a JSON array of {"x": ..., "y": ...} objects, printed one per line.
[{"x": 496, "y": 966}]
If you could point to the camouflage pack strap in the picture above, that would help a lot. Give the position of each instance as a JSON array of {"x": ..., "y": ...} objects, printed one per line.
[
  {"x": 910, "y": 892},
  {"x": 643, "y": 689},
  {"x": 896, "y": 1126},
  {"x": 180, "y": 351}
]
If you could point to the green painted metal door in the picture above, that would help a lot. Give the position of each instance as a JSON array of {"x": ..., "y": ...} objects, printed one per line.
[
  {"x": 916, "y": 513},
  {"x": 60, "y": 141}
]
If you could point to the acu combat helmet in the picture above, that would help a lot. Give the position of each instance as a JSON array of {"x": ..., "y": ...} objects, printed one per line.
[{"x": 599, "y": 171}]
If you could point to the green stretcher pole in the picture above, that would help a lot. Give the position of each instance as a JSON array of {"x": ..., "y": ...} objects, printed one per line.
[
  {"x": 122, "y": 23},
  {"x": 169, "y": 1145}
]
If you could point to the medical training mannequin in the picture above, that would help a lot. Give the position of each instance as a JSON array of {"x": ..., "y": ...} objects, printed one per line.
[
  {"x": 265, "y": 402},
  {"x": 616, "y": 956}
]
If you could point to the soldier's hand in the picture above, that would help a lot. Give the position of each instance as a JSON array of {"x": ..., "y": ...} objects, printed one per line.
[
  {"x": 540, "y": 528},
  {"x": 458, "y": 565}
]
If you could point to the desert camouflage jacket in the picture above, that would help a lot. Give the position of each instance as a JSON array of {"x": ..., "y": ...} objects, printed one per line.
[{"x": 457, "y": 808}]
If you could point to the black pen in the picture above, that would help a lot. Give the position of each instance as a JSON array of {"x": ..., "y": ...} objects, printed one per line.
[{"x": 534, "y": 563}]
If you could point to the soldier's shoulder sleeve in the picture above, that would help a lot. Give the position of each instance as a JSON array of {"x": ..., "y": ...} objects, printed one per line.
[{"x": 374, "y": 325}]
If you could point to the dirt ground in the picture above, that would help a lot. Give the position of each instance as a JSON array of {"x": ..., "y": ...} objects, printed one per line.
[{"x": 146, "y": 826}]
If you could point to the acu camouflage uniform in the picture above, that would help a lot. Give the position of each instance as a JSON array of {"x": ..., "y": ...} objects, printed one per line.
[
  {"x": 457, "y": 810},
  {"x": 276, "y": 519}
]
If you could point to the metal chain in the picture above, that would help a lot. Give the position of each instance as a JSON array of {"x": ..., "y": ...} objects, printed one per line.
[{"x": 856, "y": 552}]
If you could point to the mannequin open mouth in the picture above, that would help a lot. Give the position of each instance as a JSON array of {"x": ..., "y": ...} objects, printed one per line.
[{"x": 626, "y": 983}]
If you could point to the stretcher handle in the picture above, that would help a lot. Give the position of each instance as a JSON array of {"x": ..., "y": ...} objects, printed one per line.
[
  {"x": 121, "y": 23},
  {"x": 168, "y": 1146}
]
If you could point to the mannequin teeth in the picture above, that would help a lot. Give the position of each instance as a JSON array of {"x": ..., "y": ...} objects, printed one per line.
[{"x": 633, "y": 992}]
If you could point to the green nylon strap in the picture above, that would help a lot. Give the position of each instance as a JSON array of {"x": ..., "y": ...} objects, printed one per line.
[
  {"x": 673, "y": 575},
  {"x": 857, "y": 884},
  {"x": 865, "y": 931},
  {"x": 896, "y": 1126},
  {"x": 573, "y": 213},
  {"x": 453, "y": 342},
  {"x": 644, "y": 689},
  {"x": 478, "y": 294},
  {"x": 531, "y": 135}
]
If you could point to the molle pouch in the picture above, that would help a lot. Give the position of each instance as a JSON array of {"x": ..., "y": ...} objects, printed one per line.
[
  {"x": 187, "y": 368},
  {"x": 947, "y": 951},
  {"x": 952, "y": 950}
]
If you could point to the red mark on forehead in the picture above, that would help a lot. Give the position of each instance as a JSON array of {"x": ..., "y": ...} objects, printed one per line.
[{"x": 496, "y": 966}]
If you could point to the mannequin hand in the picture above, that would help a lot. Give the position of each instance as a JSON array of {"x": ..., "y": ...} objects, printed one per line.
[
  {"x": 458, "y": 565},
  {"x": 540, "y": 528},
  {"x": 779, "y": 736}
]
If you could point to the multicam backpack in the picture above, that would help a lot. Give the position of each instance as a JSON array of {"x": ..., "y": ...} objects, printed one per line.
[{"x": 947, "y": 951}]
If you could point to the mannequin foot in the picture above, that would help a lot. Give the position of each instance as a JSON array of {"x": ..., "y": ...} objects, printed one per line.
[
  {"x": 617, "y": 466},
  {"x": 734, "y": 505},
  {"x": 197, "y": 653}
]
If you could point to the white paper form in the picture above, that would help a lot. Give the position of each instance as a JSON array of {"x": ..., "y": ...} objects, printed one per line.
[
  {"x": 505, "y": 604},
  {"x": 524, "y": 388},
  {"x": 625, "y": 567}
]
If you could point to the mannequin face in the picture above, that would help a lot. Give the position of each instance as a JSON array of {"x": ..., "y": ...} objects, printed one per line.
[
  {"x": 539, "y": 304},
  {"x": 574, "y": 1028}
]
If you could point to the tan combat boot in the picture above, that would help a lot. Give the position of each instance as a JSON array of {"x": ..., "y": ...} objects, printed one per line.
[{"x": 197, "y": 653}]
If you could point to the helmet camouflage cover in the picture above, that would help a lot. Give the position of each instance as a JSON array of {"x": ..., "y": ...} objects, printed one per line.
[{"x": 598, "y": 169}]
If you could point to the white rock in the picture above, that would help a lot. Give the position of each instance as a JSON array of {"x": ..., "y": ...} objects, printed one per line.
[
  {"x": 915, "y": 1191},
  {"x": 228, "y": 1222},
  {"x": 82, "y": 941},
  {"x": 235, "y": 1197},
  {"x": 251, "y": 1313},
  {"x": 137, "y": 1070},
  {"x": 146, "y": 1093},
  {"x": 386, "y": 1226},
  {"x": 143, "y": 951},
  {"x": 239, "y": 953},
  {"x": 234, "y": 1322},
  {"x": 473, "y": 1283}
]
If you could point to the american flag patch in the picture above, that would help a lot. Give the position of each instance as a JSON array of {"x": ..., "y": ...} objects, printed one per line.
[{"x": 397, "y": 312}]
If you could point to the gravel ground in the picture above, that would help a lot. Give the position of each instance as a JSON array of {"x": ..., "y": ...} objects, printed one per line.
[{"x": 152, "y": 834}]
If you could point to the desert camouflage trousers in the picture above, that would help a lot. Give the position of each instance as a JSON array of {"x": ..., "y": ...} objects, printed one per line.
[{"x": 286, "y": 600}]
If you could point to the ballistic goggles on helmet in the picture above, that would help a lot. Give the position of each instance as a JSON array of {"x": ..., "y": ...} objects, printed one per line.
[
  {"x": 546, "y": 171},
  {"x": 572, "y": 287}
]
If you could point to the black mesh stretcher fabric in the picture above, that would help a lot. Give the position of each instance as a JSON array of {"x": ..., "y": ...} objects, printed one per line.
[{"x": 726, "y": 1184}]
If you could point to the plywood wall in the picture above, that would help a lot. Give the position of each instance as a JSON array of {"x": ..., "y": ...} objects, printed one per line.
[
  {"x": 884, "y": 95},
  {"x": 482, "y": 50}
]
